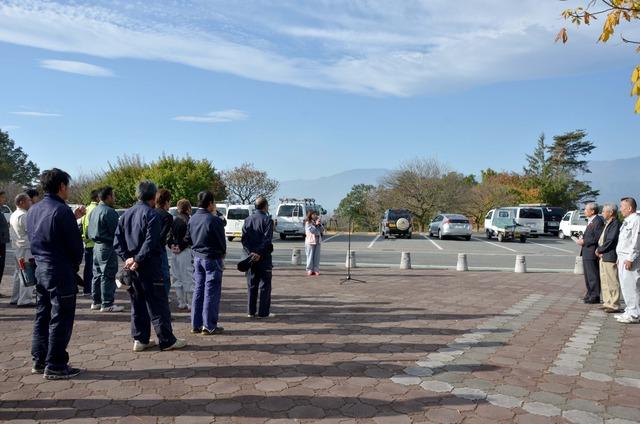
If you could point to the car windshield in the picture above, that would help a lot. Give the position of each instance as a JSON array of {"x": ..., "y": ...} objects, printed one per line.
[
  {"x": 290, "y": 210},
  {"x": 238, "y": 213},
  {"x": 553, "y": 214},
  {"x": 531, "y": 213},
  {"x": 399, "y": 214}
]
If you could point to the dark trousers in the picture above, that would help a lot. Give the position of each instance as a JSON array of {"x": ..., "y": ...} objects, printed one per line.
[
  {"x": 259, "y": 286},
  {"x": 149, "y": 305},
  {"x": 205, "y": 305},
  {"x": 55, "y": 313},
  {"x": 87, "y": 274},
  {"x": 592, "y": 279},
  {"x": 105, "y": 268},
  {"x": 166, "y": 274},
  {"x": 3, "y": 255}
]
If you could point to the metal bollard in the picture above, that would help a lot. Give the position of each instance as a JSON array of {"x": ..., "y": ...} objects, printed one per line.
[
  {"x": 578, "y": 267},
  {"x": 296, "y": 258},
  {"x": 462, "y": 262},
  {"x": 521, "y": 264},
  {"x": 405, "y": 260},
  {"x": 351, "y": 260}
]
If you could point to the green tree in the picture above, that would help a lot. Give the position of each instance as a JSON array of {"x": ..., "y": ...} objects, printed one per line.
[
  {"x": 123, "y": 175},
  {"x": 15, "y": 165},
  {"x": 356, "y": 206}
]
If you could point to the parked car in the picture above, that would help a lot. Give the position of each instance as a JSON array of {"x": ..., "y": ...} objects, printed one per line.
[
  {"x": 552, "y": 218},
  {"x": 291, "y": 214},
  {"x": 397, "y": 222},
  {"x": 236, "y": 214},
  {"x": 529, "y": 216},
  {"x": 573, "y": 224},
  {"x": 450, "y": 225},
  {"x": 6, "y": 210},
  {"x": 501, "y": 224}
]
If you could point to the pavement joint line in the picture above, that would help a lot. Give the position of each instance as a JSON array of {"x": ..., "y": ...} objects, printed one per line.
[
  {"x": 496, "y": 245},
  {"x": 551, "y": 247},
  {"x": 373, "y": 242}
]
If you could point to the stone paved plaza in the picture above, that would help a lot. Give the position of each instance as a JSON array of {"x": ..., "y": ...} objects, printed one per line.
[{"x": 410, "y": 346}]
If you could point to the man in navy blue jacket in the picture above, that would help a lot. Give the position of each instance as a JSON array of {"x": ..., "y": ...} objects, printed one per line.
[
  {"x": 257, "y": 235},
  {"x": 138, "y": 243},
  {"x": 205, "y": 234},
  {"x": 56, "y": 245}
]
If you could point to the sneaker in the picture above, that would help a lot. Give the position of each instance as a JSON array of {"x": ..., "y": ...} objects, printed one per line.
[
  {"x": 628, "y": 319},
  {"x": 112, "y": 308},
  {"x": 215, "y": 331},
  {"x": 272, "y": 315},
  {"x": 196, "y": 330},
  {"x": 95, "y": 307},
  {"x": 179, "y": 344},
  {"x": 141, "y": 347},
  {"x": 309, "y": 273},
  {"x": 619, "y": 316},
  {"x": 251, "y": 316},
  {"x": 37, "y": 368},
  {"x": 64, "y": 374}
]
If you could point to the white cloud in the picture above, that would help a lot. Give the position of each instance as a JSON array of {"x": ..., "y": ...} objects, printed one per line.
[
  {"x": 218, "y": 117},
  {"x": 373, "y": 47},
  {"x": 74, "y": 67},
  {"x": 37, "y": 114}
]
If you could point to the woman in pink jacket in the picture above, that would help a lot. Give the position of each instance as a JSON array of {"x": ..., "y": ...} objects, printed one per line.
[{"x": 313, "y": 230}]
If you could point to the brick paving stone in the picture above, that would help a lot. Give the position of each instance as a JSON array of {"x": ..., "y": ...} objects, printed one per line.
[
  {"x": 582, "y": 417},
  {"x": 539, "y": 408}
]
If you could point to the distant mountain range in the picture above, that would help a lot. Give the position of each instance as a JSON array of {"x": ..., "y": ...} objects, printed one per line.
[{"x": 614, "y": 178}]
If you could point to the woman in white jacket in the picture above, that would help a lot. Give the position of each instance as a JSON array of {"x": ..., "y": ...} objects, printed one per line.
[{"x": 313, "y": 239}]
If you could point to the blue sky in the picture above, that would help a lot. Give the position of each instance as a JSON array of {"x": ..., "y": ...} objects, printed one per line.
[{"x": 307, "y": 88}]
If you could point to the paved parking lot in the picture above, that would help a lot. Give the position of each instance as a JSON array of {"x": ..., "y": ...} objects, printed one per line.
[
  {"x": 542, "y": 254},
  {"x": 418, "y": 346}
]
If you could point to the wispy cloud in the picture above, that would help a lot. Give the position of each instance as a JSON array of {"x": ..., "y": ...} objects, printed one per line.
[
  {"x": 37, "y": 114},
  {"x": 372, "y": 47},
  {"x": 218, "y": 117},
  {"x": 9, "y": 127},
  {"x": 73, "y": 67}
]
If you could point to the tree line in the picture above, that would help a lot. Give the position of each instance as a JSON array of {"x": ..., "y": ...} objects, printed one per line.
[
  {"x": 554, "y": 174},
  {"x": 185, "y": 177}
]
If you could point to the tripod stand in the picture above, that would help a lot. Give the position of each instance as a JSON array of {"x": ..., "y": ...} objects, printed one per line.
[{"x": 349, "y": 279}]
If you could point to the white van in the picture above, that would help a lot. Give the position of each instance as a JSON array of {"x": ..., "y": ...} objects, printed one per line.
[
  {"x": 291, "y": 214},
  {"x": 573, "y": 224},
  {"x": 236, "y": 214},
  {"x": 532, "y": 217}
]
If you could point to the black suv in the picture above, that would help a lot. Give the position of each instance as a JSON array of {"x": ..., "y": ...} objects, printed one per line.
[{"x": 396, "y": 222}]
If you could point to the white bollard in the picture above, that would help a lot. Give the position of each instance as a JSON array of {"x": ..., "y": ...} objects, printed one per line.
[
  {"x": 462, "y": 262},
  {"x": 578, "y": 268},
  {"x": 405, "y": 260},
  {"x": 351, "y": 260},
  {"x": 521, "y": 264},
  {"x": 296, "y": 258}
]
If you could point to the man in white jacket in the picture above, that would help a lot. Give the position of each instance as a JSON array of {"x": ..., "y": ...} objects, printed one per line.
[
  {"x": 628, "y": 250},
  {"x": 22, "y": 296}
]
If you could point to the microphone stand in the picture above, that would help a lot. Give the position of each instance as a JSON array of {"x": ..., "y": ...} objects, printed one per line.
[{"x": 349, "y": 278}]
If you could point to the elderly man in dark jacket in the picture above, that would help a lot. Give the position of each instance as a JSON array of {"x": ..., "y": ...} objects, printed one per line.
[
  {"x": 606, "y": 251},
  {"x": 588, "y": 243},
  {"x": 56, "y": 245},
  {"x": 205, "y": 234},
  {"x": 257, "y": 235},
  {"x": 138, "y": 243}
]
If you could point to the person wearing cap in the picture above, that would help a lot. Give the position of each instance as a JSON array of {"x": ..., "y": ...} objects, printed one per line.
[{"x": 101, "y": 231}]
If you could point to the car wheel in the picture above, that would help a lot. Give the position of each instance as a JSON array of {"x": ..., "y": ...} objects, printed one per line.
[
  {"x": 488, "y": 234},
  {"x": 467, "y": 238},
  {"x": 500, "y": 237},
  {"x": 409, "y": 236},
  {"x": 386, "y": 235},
  {"x": 523, "y": 239},
  {"x": 283, "y": 236},
  {"x": 230, "y": 238},
  {"x": 561, "y": 235}
]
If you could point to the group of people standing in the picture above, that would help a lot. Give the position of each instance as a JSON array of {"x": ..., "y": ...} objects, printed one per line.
[
  {"x": 141, "y": 238},
  {"x": 610, "y": 253}
]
